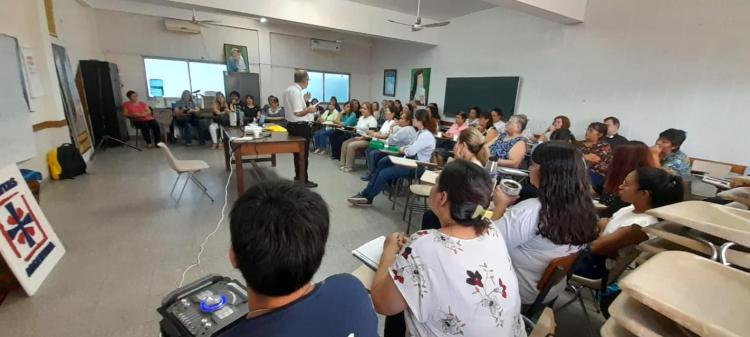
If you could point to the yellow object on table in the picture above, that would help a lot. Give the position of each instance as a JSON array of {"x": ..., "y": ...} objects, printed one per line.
[{"x": 275, "y": 128}]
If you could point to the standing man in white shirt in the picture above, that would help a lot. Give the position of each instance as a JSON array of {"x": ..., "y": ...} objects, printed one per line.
[{"x": 299, "y": 116}]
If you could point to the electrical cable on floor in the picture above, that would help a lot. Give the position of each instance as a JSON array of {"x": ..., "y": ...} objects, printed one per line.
[{"x": 218, "y": 224}]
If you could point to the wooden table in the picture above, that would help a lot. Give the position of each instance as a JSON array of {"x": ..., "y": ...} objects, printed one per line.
[{"x": 279, "y": 142}]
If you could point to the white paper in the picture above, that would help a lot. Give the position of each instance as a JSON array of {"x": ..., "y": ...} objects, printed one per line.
[
  {"x": 370, "y": 252},
  {"x": 32, "y": 74},
  {"x": 28, "y": 243}
]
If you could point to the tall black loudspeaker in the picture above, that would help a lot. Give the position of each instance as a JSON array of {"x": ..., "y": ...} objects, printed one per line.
[{"x": 101, "y": 83}]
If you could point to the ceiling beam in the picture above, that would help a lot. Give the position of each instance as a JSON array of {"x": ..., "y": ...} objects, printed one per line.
[
  {"x": 358, "y": 19},
  {"x": 564, "y": 11}
]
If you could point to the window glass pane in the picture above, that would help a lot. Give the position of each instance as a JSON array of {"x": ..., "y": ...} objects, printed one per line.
[
  {"x": 207, "y": 76},
  {"x": 336, "y": 85},
  {"x": 315, "y": 86},
  {"x": 173, "y": 75}
]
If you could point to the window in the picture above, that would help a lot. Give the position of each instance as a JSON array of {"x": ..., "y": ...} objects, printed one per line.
[
  {"x": 168, "y": 78},
  {"x": 324, "y": 85}
]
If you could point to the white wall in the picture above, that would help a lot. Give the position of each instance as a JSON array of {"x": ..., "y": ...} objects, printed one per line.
[
  {"x": 26, "y": 21},
  {"x": 274, "y": 49},
  {"x": 654, "y": 64}
]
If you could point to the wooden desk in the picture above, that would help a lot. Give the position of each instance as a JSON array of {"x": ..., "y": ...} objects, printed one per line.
[
  {"x": 703, "y": 296},
  {"x": 278, "y": 143}
]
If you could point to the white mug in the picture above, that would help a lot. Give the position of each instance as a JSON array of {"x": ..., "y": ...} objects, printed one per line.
[
  {"x": 256, "y": 133},
  {"x": 510, "y": 187}
]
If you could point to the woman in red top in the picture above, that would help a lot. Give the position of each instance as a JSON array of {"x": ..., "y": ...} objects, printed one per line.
[{"x": 143, "y": 118}]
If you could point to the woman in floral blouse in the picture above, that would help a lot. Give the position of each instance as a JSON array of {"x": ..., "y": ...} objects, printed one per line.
[
  {"x": 457, "y": 280},
  {"x": 596, "y": 153}
]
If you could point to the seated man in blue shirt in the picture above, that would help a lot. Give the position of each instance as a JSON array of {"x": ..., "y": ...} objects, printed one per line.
[
  {"x": 666, "y": 153},
  {"x": 278, "y": 231}
]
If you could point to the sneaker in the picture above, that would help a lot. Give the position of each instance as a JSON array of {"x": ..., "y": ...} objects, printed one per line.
[
  {"x": 365, "y": 178},
  {"x": 346, "y": 169},
  {"x": 358, "y": 199},
  {"x": 310, "y": 184},
  {"x": 367, "y": 203}
]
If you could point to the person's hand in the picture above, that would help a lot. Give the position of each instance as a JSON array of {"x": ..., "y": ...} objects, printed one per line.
[
  {"x": 402, "y": 150},
  {"x": 394, "y": 242},
  {"x": 501, "y": 199},
  {"x": 307, "y": 97},
  {"x": 592, "y": 158}
]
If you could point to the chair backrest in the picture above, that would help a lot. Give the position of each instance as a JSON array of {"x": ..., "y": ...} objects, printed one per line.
[
  {"x": 171, "y": 160},
  {"x": 550, "y": 277},
  {"x": 556, "y": 271},
  {"x": 545, "y": 325}
]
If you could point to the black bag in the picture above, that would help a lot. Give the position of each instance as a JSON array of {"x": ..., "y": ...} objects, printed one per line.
[{"x": 71, "y": 161}]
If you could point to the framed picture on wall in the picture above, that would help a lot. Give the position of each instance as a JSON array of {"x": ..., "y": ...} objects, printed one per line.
[
  {"x": 420, "y": 85},
  {"x": 236, "y": 58},
  {"x": 389, "y": 82}
]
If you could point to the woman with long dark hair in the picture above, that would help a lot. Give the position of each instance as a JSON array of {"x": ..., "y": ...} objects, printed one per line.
[
  {"x": 626, "y": 158},
  {"x": 421, "y": 149},
  {"x": 454, "y": 280},
  {"x": 559, "y": 222}
]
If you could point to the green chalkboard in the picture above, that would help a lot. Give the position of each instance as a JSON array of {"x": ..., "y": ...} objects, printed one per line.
[{"x": 461, "y": 93}]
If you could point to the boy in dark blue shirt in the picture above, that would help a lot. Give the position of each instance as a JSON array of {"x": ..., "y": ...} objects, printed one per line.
[{"x": 278, "y": 232}]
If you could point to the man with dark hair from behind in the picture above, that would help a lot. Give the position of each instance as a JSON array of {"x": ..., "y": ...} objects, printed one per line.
[
  {"x": 613, "y": 132},
  {"x": 278, "y": 232}
]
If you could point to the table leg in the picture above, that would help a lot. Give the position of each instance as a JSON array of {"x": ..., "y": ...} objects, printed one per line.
[
  {"x": 240, "y": 172},
  {"x": 301, "y": 164},
  {"x": 273, "y": 160},
  {"x": 227, "y": 162}
]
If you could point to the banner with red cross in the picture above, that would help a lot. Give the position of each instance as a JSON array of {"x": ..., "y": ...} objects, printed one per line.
[{"x": 27, "y": 242}]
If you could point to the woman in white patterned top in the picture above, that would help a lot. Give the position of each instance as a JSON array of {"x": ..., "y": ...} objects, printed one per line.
[{"x": 457, "y": 280}]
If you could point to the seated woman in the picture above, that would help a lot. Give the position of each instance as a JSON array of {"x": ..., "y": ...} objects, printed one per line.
[
  {"x": 143, "y": 118},
  {"x": 487, "y": 128},
  {"x": 273, "y": 112},
  {"x": 402, "y": 134},
  {"x": 559, "y": 123},
  {"x": 387, "y": 124},
  {"x": 557, "y": 223},
  {"x": 596, "y": 152},
  {"x": 425, "y": 276},
  {"x": 444, "y": 146},
  {"x": 348, "y": 120},
  {"x": 510, "y": 147},
  {"x": 385, "y": 172},
  {"x": 249, "y": 111},
  {"x": 497, "y": 119},
  {"x": 470, "y": 147},
  {"x": 330, "y": 116},
  {"x": 184, "y": 113},
  {"x": 644, "y": 188},
  {"x": 221, "y": 111},
  {"x": 666, "y": 153},
  {"x": 473, "y": 118},
  {"x": 627, "y": 157},
  {"x": 563, "y": 135},
  {"x": 350, "y": 146}
]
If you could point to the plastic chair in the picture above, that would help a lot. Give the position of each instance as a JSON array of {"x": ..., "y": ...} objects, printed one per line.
[
  {"x": 189, "y": 167},
  {"x": 557, "y": 269}
]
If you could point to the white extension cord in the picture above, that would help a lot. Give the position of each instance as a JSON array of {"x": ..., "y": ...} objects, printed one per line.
[{"x": 218, "y": 224}]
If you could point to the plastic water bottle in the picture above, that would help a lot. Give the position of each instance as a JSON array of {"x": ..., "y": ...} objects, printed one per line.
[
  {"x": 232, "y": 119},
  {"x": 262, "y": 120},
  {"x": 491, "y": 168}
]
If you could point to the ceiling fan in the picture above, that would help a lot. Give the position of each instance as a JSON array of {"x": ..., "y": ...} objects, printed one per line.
[
  {"x": 202, "y": 23},
  {"x": 417, "y": 25}
]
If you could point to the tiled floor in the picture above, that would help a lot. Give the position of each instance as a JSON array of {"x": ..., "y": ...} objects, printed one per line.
[{"x": 127, "y": 243}]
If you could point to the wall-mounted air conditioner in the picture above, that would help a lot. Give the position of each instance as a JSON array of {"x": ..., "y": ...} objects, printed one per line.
[
  {"x": 181, "y": 26},
  {"x": 325, "y": 45}
]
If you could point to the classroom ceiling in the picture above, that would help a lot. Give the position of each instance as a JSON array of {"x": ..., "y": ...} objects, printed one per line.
[{"x": 433, "y": 9}]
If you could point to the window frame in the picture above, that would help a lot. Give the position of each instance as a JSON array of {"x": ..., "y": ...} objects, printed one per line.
[
  {"x": 324, "y": 82},
  {"x": 190, "y": 79}
]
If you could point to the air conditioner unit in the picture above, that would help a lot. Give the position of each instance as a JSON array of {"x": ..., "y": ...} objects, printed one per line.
[
  {"x": 325, "y": 45},
  {"x": 181, "y": 26}
]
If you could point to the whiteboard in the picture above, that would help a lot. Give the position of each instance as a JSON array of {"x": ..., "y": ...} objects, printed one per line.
[{"x": 16, "y": 134}]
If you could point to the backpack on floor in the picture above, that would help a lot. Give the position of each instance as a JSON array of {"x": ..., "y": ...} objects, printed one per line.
[{"x": 65, "y": 162}]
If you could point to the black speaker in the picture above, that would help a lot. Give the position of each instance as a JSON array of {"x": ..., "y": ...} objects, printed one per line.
[{"x": 101, "y": 85}]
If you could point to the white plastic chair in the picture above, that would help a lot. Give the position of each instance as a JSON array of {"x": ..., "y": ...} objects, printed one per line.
[{"x": 189, "y": 167}]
